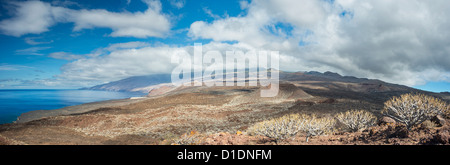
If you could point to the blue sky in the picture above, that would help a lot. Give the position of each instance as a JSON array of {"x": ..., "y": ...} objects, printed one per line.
[{"x": 72, "y": 44}]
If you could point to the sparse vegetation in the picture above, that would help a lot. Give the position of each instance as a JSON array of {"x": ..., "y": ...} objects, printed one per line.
[
  {"x": 191, "y": 138},
  {"x": 318, "y": 126},
  {"x": 447, "y": 111},
  {"x": 279, "y": 128},
  {"x": 355, "y": 120},
  {"x": 427, "y": 124},
  {"x": 223, "y": 116},
  {"x": 413, "y": 109},
  {"x": 289, "y": 125}
]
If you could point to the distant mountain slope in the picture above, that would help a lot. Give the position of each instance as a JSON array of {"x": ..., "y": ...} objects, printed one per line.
[
  {"x": 333, "y": 80},
  {"x": 173, "y": 110},
  {"x": 312, "y": 79},
  {"x": 131, "y": 84}
]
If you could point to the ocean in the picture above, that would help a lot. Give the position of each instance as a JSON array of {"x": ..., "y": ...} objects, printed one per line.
[{"x": 17, "y": 101}]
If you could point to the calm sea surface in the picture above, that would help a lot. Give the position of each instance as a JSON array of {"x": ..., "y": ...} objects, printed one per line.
[{"x": 15, "y": 102}]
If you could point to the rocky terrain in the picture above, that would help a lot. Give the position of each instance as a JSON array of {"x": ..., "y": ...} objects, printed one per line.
[
  {"x": 221, "y": 115},
  {"x": 133, "y": 84},
  {"x": 383, "y": 134}
]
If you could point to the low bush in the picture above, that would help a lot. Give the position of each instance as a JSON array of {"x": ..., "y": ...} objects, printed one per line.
[
  {"x": 447, "y": 111},
  {"x": 318, "y": 126},
  {"x": 279, "y": 128},
  {"x": 355, "y": 120},
  {"x": 191, "y": 138},
  {"x": 414, "y": 109},
  {"x": 289, "y": 125}
]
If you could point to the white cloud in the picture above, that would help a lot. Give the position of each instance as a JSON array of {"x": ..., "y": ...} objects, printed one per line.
[
  {"x": 66, "y": 3},
  {"x": 399, "y": 41},
  {"x": 232, "y": 29},
  {"x": 31, "y": 51},
  {"x": 35, "y": 17},
  {"x": 396, "y": 41},
  {"x": 402, "y": 41},
  {"x": 257, "y": 26},
  {"x": 9, "y": 67},
  {"x": 127, "y": 45},
  {"x": 30, "y": 17},
  {"x": 210, "y": 13},
  {"x": 36, "y": 41},
  {"x": 243, "y": 4},
  {"x": 178, "y": 3},
  {"x": 99, "y": 51},
  {"x": 151, "y": 23},
  {"x": 123, "y": 60},
  {"x": 116, "y": 64},
  {"x": 65, "y": 56},
  {"x": 303, "y": 14}
]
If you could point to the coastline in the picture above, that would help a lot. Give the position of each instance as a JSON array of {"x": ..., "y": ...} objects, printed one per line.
[{"x": 76, "y": 109}]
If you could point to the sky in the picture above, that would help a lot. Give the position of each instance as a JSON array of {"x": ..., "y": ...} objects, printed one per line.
[{"x": 55, "y": 44}]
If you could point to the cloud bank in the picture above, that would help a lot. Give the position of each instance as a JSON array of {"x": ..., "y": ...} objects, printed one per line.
[
  {"x": 398, "y": 41},
  {"x": 35, "y": 17},
  {"x": 403, "y": 41}
]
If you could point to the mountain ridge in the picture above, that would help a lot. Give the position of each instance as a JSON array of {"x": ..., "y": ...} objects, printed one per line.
[
  {"x": 143, "y": 83},
  {"x": 170, "y": 111}
]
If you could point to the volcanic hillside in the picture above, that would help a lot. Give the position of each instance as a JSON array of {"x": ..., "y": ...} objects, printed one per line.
[{"x": 170, "y": 112}]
